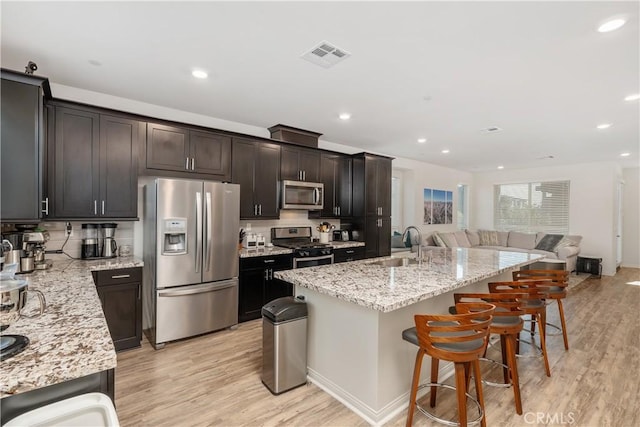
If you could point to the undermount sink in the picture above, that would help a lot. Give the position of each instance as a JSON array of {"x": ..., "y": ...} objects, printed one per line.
[{"x": 397, "y": 262}]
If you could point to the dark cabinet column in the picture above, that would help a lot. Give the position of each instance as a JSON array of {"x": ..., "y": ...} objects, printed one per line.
[
  {"x": 243, "y": 173},
  {"x": 266, "y": 183},
  {"x": 76, "y": 163},
  {"x": 119, "y": 139},
  {"x": 257, "y": 286}
]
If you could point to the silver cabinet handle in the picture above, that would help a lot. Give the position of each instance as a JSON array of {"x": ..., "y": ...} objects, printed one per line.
[
  {"x": 338, "y": 210},
  {"x": 255, "y": 210},
  {"x": 103, "y": 207},
  {"x": 121, "y": 276},
  {"x": 266, "y": 274},
  {"x": 260, "y": 209},
  {"x": 186, "y": 164},
  {"x": 193, "y": 163},
  {"x": 304, "y": 176},
  {"x": 95, "y": 207},
  {"x": 269, "y": 261},
  {"x": 46, "y": 206},
  {"x": 349, "y": 252}
]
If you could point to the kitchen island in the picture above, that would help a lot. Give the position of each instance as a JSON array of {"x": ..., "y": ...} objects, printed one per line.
[
  {"x": 358, "y": 310},
  {"x": 69, "y": 343}
]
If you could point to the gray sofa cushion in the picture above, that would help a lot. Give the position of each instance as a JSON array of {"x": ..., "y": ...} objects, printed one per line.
[
  {"x": 461, "y": 238},
  {"x": 449, "y": 239},
  {"x": 522, "y": 240},
  {"x": 474, "y": 237},
  {"x": 503, "y": 237}
]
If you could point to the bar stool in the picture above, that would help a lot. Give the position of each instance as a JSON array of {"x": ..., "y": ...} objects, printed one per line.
[
  {"x": 533, "y": 303},
  {"x": 508, "y": 324},
  {"x": 460, "y": 338},
  {"x": 556, "y": 292}
]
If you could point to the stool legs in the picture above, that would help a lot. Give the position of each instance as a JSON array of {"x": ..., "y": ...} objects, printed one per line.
[
  {"x": 564, "y": 325},
  {"x": 542, "y": 325},
  {"x": 414, "y": 386},
  {"x": 461, "y": 388},
  {"x": 479, "y": 391},
  {"x": 510, "y": 345},
  {"x": 435, "y": 364}
]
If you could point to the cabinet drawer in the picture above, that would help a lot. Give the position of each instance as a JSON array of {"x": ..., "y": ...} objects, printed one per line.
[
  {"x": 276, "y": 262},
  {"x": 118, "y": 276},
  {"x": 348, "y": 254}
]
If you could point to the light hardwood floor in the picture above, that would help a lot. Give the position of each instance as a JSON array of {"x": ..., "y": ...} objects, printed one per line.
[{"x": 214, "y": 380}]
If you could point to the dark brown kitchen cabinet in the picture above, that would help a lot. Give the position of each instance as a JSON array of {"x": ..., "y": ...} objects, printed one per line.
[
  {"x": 188, "y": 151},
  {"x": 256, "y": 167},
  {"x": 372, "y": 201},
  {"x": 22, "y": 147},
  {"x": 336, "y": 175},
  {"x": 94, "y": 165},
  {"x": 120, "y": 295},
  {"x": 257, "y": 286},
  {"x": 348, "y": 254},
  {"x": 300, "y": 164}
]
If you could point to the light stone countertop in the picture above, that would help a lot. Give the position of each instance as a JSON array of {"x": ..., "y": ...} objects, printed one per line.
[
  {"x": 71, "y": 339},
  {"x": 389, "y": 288},
  {"x": 273, "y": 250},
  {"x": 347, "y": 244}
]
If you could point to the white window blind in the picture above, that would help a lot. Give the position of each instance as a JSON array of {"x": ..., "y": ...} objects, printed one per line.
[
  {"x": 532, "y": 206},
  {"x": 463, "y": 211}
]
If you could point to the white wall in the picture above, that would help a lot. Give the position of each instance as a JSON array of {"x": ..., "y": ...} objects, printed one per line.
[
  {"x": 592, "y": 205},
  {"x": 631, "y": 218}
]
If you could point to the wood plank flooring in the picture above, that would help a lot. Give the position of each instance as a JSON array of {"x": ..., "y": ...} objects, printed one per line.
[{"x": 214, "y": 380}]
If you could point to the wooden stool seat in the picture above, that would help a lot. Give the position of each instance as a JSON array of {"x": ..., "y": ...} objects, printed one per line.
[{"x": 460, "y": 338}]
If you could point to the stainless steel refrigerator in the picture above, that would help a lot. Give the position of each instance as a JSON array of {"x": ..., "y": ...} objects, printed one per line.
[{"x": 190, "y": 258}]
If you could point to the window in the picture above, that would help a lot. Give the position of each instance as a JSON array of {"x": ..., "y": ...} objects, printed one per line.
[
  {"x": 463, "y": 210},
  {"x": 532, "y": 206},
  {"x": 396, "y": 201}
]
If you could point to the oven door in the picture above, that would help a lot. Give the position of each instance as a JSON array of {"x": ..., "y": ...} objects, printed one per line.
[{"x": 312, "y": 261}]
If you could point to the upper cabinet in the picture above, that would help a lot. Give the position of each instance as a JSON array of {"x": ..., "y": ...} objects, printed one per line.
[
  {"x": 93, "y": 164},
  {"x": 187, "y": 152},
  {"x": 300, "y": 164},
  {"x": 22, "y": 147},
  {"x": 256, "y": 166},
  {"x": 336, "y": 175}
]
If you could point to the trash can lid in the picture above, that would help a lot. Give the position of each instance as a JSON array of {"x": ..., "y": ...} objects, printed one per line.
[{"x": 285, "y": 308}]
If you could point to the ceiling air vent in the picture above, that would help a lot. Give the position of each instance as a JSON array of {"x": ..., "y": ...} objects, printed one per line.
[
  {"x": 491, "y": 129},
  {"x": 325, "y": 55}
]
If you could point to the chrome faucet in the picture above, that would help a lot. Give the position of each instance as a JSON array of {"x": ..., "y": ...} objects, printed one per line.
[{"x": 404, "y": 233}]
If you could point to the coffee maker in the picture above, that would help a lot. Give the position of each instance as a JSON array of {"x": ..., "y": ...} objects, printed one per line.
[
  {"x": 109, "y": 247},
  {"x": 33, "y": 244}
]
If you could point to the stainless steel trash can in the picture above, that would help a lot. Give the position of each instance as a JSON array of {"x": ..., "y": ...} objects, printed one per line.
[{"x": 284, "y": 344}]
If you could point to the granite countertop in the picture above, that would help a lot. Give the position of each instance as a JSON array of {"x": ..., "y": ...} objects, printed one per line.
[
  {"x": 71, "y": 339},
  {"x": 277, "y": 250},
  {"x": 389, "y": 288}
]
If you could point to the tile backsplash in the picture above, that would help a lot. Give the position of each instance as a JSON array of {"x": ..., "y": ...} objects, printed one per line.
[{"x": 57, "y": 237}]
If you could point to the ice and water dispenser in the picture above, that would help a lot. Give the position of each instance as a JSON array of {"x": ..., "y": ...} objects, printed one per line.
[{"x": 175, "y": 236}]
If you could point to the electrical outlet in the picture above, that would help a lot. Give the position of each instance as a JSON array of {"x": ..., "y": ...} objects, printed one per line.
[{"x": 69, "y": 230}]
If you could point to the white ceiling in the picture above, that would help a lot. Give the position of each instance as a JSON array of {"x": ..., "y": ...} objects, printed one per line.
[{"x": 440, "y": 70}]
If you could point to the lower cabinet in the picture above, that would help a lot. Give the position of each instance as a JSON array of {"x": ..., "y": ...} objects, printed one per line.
[
  {"x": 120, "y": 295},
  {"x": 348, "y": 254},
  {"x": 258, "y": 286}
]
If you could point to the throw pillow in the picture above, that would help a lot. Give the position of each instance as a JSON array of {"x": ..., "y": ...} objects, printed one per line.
[
  {"x": 549, "y": 242},
  {"x": 474, "y": 238},
  {"x": 438, "y": 240},
  {"x": 449, "y": 240},
  {"x": 461, "y": 238},
  {"x": 488, "y": 237},
  {"x": 407, "y": 240},
  {"x": 396, "y": 241},
  {"x": 564, "y": 242}
]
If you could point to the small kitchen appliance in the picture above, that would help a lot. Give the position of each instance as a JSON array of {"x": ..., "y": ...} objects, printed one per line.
[
  {"x": 89, "y": 246},
  {"x": 109, "y": 246},
  {"x": 302, "y": 195},
  {"x": 306, "y": 253},
  {"x": 34, "y": 251}
]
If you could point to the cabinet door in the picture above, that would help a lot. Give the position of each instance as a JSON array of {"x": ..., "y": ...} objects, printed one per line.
[
  {"x": 371, "y": 236},
  {"x": 76, "y": 162},
  {"x": 119, "y": 138},
  {"x": 251, "y": 294},
  {"x": 343, "y": 186},
  {"x": 383, "y": 197},
  {"x": 211, "y": 153},
  {"x": 242, "y": 172},
  {"x": 122, "y": 306},
  {"x": 309, "y": 162},
  {"x": 384, "y": 237},
  {"x": 167, "y": 147},
  {"x": 21, "y": 110},
  {"x": 370, "y": 184},
  {"x": 289, "y": 164},
  {"x": 329, "y": 174},
  {"x": 266, "y": 180},
  {"x": 276, "y": 288}
]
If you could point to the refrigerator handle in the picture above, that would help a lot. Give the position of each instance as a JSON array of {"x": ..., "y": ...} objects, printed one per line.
[
  {"x": 198, "y": 231},
  {"x": 208, "y": 225}
]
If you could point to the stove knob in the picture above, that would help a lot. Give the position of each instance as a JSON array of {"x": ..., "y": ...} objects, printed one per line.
[{"x": 304, "y": 253}]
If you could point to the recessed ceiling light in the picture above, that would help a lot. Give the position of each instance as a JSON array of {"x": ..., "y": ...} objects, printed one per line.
[
  {"x": 500, "y": 167},
  {"x": 625, "y": 154},
  {"x": 604, "y": 126},
  {"x": 422, "y": 140},
  {"x": 445, "y": 151},
  {"x": 611, "y": 25},
  {"x": 345, "y": 116},
  {"x": 633, "y": 97},
  {"x": 199, "y": 74}
]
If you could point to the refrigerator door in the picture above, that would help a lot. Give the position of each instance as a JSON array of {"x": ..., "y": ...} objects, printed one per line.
[
  {"x": 179, "y": 221},
  {"x": 221, "y": 226}
]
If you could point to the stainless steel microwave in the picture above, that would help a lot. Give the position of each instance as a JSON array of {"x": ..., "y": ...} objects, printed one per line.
[{"x": 302, "y": 195}]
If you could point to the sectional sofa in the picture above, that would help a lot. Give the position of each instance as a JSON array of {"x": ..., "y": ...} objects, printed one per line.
[{"x": 552, "y": 246}]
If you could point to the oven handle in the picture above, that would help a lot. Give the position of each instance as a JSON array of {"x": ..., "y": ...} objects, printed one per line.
[{"x": 315, "y": 258}]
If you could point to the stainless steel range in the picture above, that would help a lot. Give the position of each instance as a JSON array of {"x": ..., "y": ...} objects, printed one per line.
[{"x": 306, "y": 252}]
